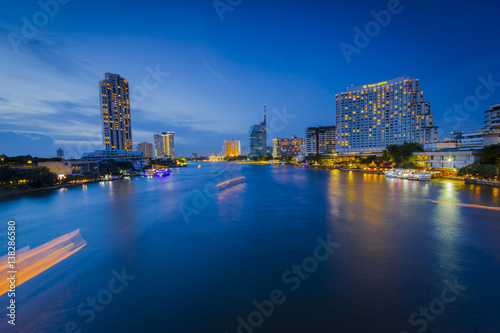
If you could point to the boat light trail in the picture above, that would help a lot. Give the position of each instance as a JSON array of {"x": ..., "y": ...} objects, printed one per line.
[
  {"x": 229, "y": 181},
  {"x": 30, "y": 263},
  {"x": 465, "y": 205}
]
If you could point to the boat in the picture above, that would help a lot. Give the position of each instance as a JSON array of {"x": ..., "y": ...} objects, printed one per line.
[
  {"x": 408, "y": 174},
  {"x": 156, "y": 172},
  {"x": 162, "y": 172}
]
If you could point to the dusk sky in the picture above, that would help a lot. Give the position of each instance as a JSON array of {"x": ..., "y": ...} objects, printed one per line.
[{"x": 221, "y": 72}]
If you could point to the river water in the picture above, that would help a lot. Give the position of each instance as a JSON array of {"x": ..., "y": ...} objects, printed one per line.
[{"x": 287, "y": 249}]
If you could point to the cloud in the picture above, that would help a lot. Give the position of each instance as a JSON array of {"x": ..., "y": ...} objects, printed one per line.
[{"x": 13, "y": 144}]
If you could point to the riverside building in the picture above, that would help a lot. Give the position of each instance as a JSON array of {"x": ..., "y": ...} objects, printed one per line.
[
  {"x": 320, "y": 140},
  {"x": 373, "y": 116},
  {"x": 288, "y": 147},
  {"x": 164, "y": 145},
  {"x": 115, "y": 113}
]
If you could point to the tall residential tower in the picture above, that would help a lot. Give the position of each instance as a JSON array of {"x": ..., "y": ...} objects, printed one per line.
[
  {"x": 373, "y": 116},
  {"x": 164, "y": 145},
  {"x": 115, "y": 113},
  {"x": 258, "y": 138}
]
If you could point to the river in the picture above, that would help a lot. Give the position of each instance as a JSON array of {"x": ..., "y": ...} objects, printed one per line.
[{"x": 287, "y": 249}]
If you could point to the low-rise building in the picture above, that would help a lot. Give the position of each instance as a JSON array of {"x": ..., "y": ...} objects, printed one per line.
[
  {"x": 75, "y": 167},
  {"x": 135, "y": 157},
  {"x": 447, "y": 159},
  {"x": 216, "y": 158}
]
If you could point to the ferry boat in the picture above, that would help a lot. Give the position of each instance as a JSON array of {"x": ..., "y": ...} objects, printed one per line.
[
  {"x": 408, "y": 174},
  {"x": 156, "y": 172}
]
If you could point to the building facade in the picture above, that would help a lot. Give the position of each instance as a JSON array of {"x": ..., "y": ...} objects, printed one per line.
[
  {"x": 115, "y": 113},
  {"x": 320, "y": 140},
  {"x": 232, "y": 148},
  {"x": 146, "y": 148},
  {"x": 493, "y": 117},
  {"x": 74, "y": 167},
  {"x": 60, "y": 153},
  {"x": 164, "y": 145},
  {"x": 258, "y": 138},
  {"x": 447, "y": 159},
  {"x": 288, "y": 147},
  {"x": 371, "y": 117}
]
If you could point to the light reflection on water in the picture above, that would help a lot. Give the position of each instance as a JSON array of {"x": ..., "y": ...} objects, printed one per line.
[{"x": 396, "y": 249}]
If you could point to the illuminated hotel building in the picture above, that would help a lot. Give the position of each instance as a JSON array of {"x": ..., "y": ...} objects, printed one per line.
[
  {"x": 288, "y": 147},
  {"x": 320, "y": 140},
  {"x": 115, "y": 113},
  {"x": 146, "y": 148},
  {"x": 371, "y": 117},
  {"x": 232, "y": 148},
  {"x": 164, "y": 145}
]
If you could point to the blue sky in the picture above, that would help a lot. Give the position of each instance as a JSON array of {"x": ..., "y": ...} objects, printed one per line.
[{"x": 221, "y": 72}]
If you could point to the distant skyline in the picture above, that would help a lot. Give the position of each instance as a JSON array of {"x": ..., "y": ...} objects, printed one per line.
[{"x": 207, "y": 79}]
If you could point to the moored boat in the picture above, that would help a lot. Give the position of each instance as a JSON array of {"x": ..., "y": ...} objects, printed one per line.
[{"x": 408, "y": 174}]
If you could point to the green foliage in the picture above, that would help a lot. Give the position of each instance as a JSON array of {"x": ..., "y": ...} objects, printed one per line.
[
  {"x": 125, "y": 165},
  {"x": 481, "y": 171},
  {"x": 402, "y": 155},
  {"x": 367, "y": 160},
  {"x": 7, "y": 174},
  {"x": 85, "y": 176},
  {"x": 41, "y": 177},
  {"x": 235, "y": 158},
  {"x": 491, "y": 155}
]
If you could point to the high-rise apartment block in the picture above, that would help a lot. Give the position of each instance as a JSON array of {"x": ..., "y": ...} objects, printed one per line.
[
  {"x": 258, "y": 138},
  {"x": 146, "y": 148},
  {"x": 115, "y": 113},
  {"x": 320, "y": 140},
  {"x": 232, "y": 148},
  {"x": 60, "y": 153},
  {"x": 493, "y": 117},
  {"x": 164, "y": 145},
  {"x": 371, "y": 117}
]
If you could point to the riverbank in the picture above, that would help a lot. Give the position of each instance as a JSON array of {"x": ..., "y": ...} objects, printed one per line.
[
  {"x": 482, "y": 182},
  {"x": 41, "y": 189}
]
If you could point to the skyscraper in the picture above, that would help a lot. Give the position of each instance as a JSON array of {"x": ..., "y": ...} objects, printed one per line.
[
  {"x": 258, "y": 138},
  {"x": 146, "y": 148},
  {"x": 320, "y": 140},
  {"x": 371, "y": 117},
  {"x": 232, "y": 148},
  {"x": 164, "y": 144},
  {"x": 60, "y": 153},
  {"x": 115, "y": 113}
]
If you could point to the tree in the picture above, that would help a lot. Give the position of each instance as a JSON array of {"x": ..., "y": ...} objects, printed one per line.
[
  {"x": 402, "y": 155},
  {"x": 491, "y": 155},
  {"x": 41, "y": 177},
  {"x": 7, "y": 174},
  {"x": 481, "y": 171}
]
